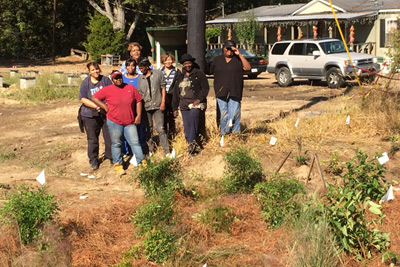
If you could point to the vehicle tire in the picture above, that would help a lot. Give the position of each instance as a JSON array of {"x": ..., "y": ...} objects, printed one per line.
[
  {"x": 314, "y": 81},
  {"x": 334, "y": 78},
  {"x": 283, "y": 77},
  {"x": 252, "y": 76}
]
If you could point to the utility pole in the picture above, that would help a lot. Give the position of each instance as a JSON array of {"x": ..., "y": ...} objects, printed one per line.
[{"x": 196, "y": 31}]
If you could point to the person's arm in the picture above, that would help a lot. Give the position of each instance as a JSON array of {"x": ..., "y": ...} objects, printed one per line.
[
  {"x": 89, "y": 103},
  {"x": 99, "y": 104},
  {"x": 163, "y": 94},
  {"x": 246, "y": 64},
  {"x": 138, "y": 117}
]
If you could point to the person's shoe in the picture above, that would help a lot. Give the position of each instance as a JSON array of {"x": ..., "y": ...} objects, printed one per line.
[
  {"x": 94, "y": 166},
  {"x": 191, "y": 148},
  {"x": 119, "y": 169}
]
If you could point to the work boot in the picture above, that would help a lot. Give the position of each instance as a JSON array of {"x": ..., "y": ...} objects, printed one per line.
[{"x": 119, "y": 169}]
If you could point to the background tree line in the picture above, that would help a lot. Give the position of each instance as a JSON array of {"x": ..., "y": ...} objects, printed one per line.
[{"x": 26, "y": 26}]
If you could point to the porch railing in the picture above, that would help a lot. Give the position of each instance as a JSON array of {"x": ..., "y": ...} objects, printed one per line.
[{"x": 262, "y": 49}]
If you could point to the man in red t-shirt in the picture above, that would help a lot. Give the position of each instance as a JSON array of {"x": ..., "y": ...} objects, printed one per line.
[{"x": 124, "y": 111}]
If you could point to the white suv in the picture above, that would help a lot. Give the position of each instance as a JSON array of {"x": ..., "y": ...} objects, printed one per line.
[{"x": 316, "y": 60}]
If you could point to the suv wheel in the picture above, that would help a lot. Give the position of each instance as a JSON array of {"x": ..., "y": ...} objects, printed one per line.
[
  {"x": 283, "y": 77},
  {"x": 334, "y": 78},
  {"x": 252, "y": 76}
]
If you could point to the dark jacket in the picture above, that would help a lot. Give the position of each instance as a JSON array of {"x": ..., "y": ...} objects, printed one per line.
[{"x": 198, "y": 89}]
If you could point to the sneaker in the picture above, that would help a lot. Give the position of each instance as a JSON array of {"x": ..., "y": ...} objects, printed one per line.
[
  {"x": 94, "y": 166},
  {"x": 119, "y": 169}
]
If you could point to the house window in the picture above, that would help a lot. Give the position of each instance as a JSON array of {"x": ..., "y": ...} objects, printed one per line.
[{"x": 390, "y": 30}]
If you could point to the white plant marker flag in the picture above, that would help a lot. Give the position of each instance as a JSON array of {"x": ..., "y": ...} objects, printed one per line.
[
  {"x": 173, "y": 154},
  {"x": 388, "y": 196},
  {"x": 348, "y": 120},
  {"x": 133, "y": 161},
  {"x": 382, "y": 160},
  {"x": 230, "y": 123},
  {"x": 222, "y": 141},
  {"x": 273, "y": 141},
  {"x": 297, "y": 122},
  {"x": 41, "y": 178},
  {"x": 205, "y": 265}
]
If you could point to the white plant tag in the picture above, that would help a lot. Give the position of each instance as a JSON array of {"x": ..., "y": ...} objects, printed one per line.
[
  {"x": 41, "y": 178},
  {"x": 205, "y": 265},
  {"x": 83, "y": 197},
  {"x": 382, "y": 160},
  {"x": 348, "y": 120},
  {"x": 297, "y": 122},
  {"x": 91, "y": 176},
  {"x": 173, "y": 154},
  {"x": 273, "y": 141},
  {"x": 388, "y": 196},
  {"x": 133, "y": 161},
  {"x": 222, "y": 141}
]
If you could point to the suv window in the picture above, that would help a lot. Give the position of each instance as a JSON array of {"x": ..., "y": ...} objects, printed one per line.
[
  {"x": 279, "y": 49},
  {"x": 297, "y": 49},
  {"x": 310, "y": 48}
]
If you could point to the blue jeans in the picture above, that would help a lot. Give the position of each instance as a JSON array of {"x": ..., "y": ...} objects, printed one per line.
[
  {"x": 230, "y": 110},
  {"x": 117, "y": 131}
]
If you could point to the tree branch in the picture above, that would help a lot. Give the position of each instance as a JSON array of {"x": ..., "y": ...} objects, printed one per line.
[
  {"x": 101, "y": 11},
  {"x": 133, "y": 25}
]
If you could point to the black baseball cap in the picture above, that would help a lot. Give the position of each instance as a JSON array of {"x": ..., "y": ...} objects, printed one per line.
[{"x": 229, "y": 44}]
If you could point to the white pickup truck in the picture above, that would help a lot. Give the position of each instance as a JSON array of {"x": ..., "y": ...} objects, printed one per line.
[{"x": 316, "y": 60}]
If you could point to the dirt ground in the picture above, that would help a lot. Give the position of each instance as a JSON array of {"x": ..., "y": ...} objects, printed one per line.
[{"x": 46, "y": 136}]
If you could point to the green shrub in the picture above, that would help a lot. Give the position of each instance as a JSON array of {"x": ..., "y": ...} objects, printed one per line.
[
  {"x": 242, "y": 171},
  {"x": 160, "y": 176},
  {"x": 156, "y": 213},
  {"x": 30, "y": 210},
  {"x": 102, "y": 39},
  {"x": 277, "y": 198},
  {"x": 333, "y": 165},
  {"x": 218, "y": 218}
]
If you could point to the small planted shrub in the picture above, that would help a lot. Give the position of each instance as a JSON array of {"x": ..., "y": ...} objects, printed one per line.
[
  {"x": 219, "y": 218},
  {"x": 160, "y": 176},
  {"x": 333, "y": 165},
  {"x": 30, "y": 209},
  {"x": 156, "y": 213},
  {"x": 277, "y": 198},
  {"x": 242, "y": 171},
  {"x": 159, "y": 245}
]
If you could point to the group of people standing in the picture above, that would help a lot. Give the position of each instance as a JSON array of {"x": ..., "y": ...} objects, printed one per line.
[{"x": 139, "y": 98}]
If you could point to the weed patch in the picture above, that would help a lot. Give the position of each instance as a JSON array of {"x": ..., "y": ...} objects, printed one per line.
[
  {"x": 242, "y": 173},
  {"x": 5, "y": 154},
  {"x": 219, "y": 218}
]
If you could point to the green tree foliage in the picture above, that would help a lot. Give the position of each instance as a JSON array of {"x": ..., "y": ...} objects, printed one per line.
[
  {"x": 247, "y": 29},
  {"x": 102, "y": 39},
  {"x": 212, "y": 32}
]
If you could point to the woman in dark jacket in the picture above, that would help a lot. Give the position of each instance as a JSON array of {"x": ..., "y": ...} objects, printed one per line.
[{"x": 190, "y": 96}]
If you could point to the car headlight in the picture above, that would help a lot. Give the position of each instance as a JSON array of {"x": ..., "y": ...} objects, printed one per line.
[
  {"x": 347, "y": 62},
  {"x": 374, "y": 60}
]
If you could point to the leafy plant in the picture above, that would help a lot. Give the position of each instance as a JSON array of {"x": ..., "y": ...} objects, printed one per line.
[
  {"x": 242, "y": 171},
  {"x": 365, "y": 174},
  {"x": 160, "y": 176},
  {"x": 156, "y": 213},
  {"x": 212, "y": 32},
  {"x": 29, "y": 209},
  {"x": 333, "y": 165},
  {"x": 302, "y": 160},
  {"x": 247, "y": 29},
  {"x": 395, "y": 146},
  {"x": 277, "y": 198},
  {"x": 218, "y": 218},
  {"x": 159, "y": 245}
]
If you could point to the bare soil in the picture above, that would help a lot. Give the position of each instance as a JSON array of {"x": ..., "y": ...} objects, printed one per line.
[{"x": 46, "y": 136}]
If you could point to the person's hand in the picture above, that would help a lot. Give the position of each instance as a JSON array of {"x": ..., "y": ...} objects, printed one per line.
[
  {"x": 106, "y": 110},
  {"x": 235, "y": 50},
  {"x": 162, "y": 106},
  {"x": 196, "y": 103},
  {"x": 176, "y": 113},
  {"x": 137, "y": 120}
]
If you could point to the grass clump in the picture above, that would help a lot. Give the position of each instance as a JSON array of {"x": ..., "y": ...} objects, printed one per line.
[
  {"x": 277, "y": 198},
  {"x": 219, "y": 218},
  {"x": 242, "y": 171},
  {"x": 160, "y": 176},
  {"x": 29, "y": 209},
  {"x": 5, "y": 154}
]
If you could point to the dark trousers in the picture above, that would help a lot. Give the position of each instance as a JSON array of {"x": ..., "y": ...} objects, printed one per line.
[
  {"x": 191, "y": 120},
  {"x": 158, "y": 117},
  {"x": 169, "y": 120},
  {"x": 92, "y": 128}
]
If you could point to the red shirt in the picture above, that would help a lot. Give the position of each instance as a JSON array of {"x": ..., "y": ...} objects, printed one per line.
[{"x": 121, "y": 103}]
